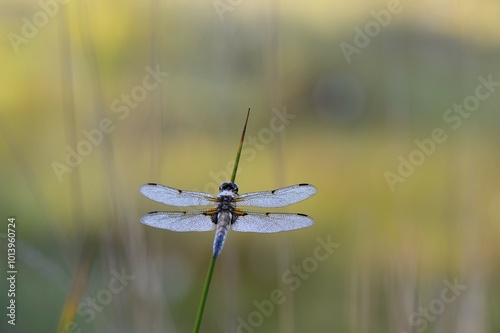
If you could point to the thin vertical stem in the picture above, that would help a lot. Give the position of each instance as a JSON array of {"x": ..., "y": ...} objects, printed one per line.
[
  {"x": 210, "y": 272},
  {"x": 204, "y": 295},
  {"x": 238, "y": 154}
]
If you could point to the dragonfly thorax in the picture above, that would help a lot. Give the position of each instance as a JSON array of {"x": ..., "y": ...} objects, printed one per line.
[{"x": 226, "y": 204}]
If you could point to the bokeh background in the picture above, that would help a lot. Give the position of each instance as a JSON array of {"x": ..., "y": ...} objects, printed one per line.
[{"x": 67, "y": 69}]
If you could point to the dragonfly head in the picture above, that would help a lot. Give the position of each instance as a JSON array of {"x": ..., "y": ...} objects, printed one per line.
[{"x": 229, "y": 186}]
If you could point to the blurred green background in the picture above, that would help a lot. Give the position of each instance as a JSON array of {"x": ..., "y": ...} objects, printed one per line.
[{"x": 359, "y": 83}]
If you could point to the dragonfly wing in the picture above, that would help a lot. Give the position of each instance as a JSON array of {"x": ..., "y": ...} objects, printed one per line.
[
  {"x": 198, "y": 220},
  {"x": 277, "y": 198},
  {"x": 174, "y": 197},
  {"x": 250, "y": 221}
]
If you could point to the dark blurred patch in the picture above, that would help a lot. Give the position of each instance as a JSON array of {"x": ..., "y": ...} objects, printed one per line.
[{"x": 339, "y": 98}]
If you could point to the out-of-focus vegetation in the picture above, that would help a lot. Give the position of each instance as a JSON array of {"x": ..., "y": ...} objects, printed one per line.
[{"x": 83, "y": 83}]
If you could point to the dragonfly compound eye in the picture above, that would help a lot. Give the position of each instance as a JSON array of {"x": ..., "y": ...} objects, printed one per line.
[{"x": 228, "y": 186}]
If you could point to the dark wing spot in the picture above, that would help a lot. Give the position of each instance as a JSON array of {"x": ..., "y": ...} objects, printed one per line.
[
  {"x": 180, "y": 191},
  {"x": 303, "y": 184},
  {"x": 272, "y": 192},
  {"x": 300, "y": 214},
  {"x": 267, "y": 214},
  {"x": 155, "y": 212},
  {"x": 154, "y": 184}
]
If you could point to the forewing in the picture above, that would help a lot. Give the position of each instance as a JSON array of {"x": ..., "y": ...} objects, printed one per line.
[
  {"x": 251, "y": 221},
  {"x": 198, "y": 220},
  {"x": 175, "y": 197},
  {"x": 277, "y": 198}
]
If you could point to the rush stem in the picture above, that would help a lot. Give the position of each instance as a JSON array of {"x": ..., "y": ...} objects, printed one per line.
[
  {"x": 212, "y": 262},
  {"x": 204, "y": 295},
  {"x": 238, "y": 153}
]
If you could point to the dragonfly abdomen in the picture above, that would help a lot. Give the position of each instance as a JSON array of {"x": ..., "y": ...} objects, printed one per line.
[{"x": 223, "y": 223}]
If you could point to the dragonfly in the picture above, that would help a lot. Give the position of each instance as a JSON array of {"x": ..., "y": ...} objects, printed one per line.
[{"x": 225, "y": 213}]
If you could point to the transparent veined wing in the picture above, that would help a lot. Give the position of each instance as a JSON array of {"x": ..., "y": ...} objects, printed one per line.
[
  {"x": 196, "y": 220},
  {"x": 251, "y": 221},
  {"x": 277, "y": 198},
  {"x": 175, "y": 197}
]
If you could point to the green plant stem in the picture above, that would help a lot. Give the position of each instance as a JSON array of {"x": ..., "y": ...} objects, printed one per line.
[
  {"x": 238, "y": 153},
  {"x": 204, "y": 296},
  {"x": 212, "y": 262}
]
